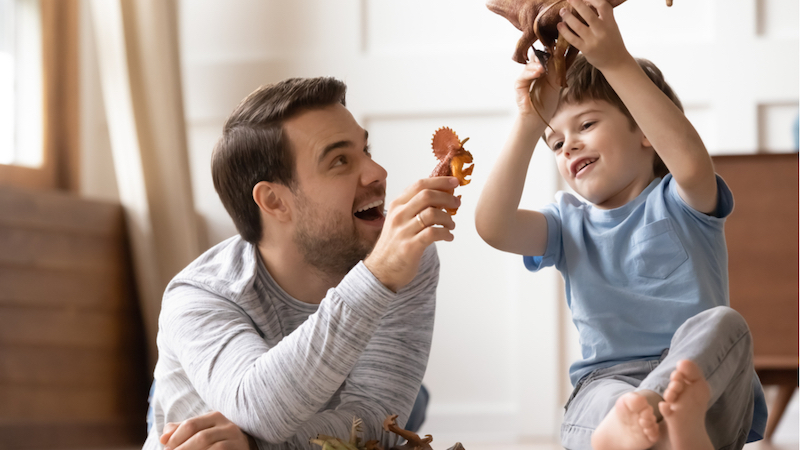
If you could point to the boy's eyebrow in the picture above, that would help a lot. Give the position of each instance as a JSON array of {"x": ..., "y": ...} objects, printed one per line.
[
  {"x": 588, "y": 111},
  {"x": 338, "y": 144}
]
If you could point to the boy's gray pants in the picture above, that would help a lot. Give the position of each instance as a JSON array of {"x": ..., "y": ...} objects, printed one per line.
[{"x": 717, "y": 340}]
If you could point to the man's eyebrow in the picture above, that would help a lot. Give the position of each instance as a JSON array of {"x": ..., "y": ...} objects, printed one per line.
[{"x": 338, "y": 144}]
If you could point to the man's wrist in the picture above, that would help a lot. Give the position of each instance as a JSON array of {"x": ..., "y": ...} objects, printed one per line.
[{"x": 382, "y": 278}]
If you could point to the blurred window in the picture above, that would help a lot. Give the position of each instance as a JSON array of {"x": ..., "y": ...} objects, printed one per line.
[{"x": 21, "y": 103}]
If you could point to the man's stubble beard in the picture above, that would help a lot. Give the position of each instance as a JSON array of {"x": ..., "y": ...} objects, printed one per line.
[{"x": 329, "y": 243}]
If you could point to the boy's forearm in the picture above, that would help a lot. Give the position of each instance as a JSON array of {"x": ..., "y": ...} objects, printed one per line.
[
  {"x": 497, "y": 209},
  {"x": 668, "y": 130}
]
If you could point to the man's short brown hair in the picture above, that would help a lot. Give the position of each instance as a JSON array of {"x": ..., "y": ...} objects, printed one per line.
[
  {"x": 587, "y": 83},
  {"x": 254, "y": 148}
]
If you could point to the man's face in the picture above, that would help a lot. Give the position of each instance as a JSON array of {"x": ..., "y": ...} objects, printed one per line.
[
  {"x": 599, "y": 154},
  {"x": 340, "y": 190}
]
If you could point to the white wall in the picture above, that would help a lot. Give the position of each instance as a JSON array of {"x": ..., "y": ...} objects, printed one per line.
[{"x": 503, "y": 339}]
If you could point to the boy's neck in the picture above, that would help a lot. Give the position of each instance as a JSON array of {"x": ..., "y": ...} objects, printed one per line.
[{"x": 626, "y": 195}]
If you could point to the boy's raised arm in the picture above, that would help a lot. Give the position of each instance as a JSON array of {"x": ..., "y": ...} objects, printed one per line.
[
  {"x": 664, "y": 125},
  {"x": 498, "y": 219}
]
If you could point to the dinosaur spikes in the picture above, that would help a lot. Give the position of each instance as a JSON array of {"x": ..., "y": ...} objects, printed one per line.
[{"x": 444, "y": 142}]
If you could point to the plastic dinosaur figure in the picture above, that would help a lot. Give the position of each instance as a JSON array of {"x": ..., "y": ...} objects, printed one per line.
[
  {"x": 451, "y": 158},
  {"x": 413, "y": 441},
  {"x": 537, "y": 19},
  {"x": 334, "y": 443}
]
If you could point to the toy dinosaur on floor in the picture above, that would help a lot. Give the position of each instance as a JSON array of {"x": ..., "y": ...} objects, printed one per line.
[{"x": 413, "y": 441}]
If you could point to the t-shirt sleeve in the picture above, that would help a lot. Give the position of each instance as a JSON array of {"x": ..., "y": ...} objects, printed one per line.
[
  {"x": 724, "y": 201},
  {"x": 553, "y": 251}
]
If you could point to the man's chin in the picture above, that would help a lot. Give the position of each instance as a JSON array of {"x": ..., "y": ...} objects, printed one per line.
[{"x": 369, "y": 239}]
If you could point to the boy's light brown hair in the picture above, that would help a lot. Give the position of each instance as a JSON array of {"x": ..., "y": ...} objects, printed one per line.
[{"x": 586, "y": 83}]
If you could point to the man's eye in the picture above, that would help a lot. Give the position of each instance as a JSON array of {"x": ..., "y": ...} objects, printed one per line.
[
  {"x": 339, "y": 161},
  {"x": 367, "y": 151}
]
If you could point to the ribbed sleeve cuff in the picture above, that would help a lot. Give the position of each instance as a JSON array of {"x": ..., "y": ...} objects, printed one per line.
[{"x": 364, "y": 293}]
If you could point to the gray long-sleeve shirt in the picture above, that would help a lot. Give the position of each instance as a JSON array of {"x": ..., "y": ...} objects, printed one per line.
[{"x": 231, "y": 340}]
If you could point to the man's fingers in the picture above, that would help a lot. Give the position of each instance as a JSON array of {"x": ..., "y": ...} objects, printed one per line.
[
  {"x": 426, "y": 199},
  {"x": 167, "y": 433},
  {"x": 430, "y": 217},
  {"x": 188, "y": 428},
  {"x": 434, "y": 234},
  {"x": 204, "y": 440},
  {"x": 434, "y": 183}
]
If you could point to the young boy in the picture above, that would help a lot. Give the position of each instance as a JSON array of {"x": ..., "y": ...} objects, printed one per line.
[{"x": 665, "y": 362}]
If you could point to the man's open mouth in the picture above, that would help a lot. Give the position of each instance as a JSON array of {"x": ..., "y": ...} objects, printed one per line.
[{"x": 372, "y": 211}]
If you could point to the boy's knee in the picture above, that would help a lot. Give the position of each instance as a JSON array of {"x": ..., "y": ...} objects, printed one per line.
[
  {"x": 727, "y": 317},
  {"x": 726, "y": 320}
]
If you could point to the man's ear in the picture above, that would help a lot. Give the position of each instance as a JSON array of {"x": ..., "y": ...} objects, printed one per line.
[{"x": 271, "y": 199}]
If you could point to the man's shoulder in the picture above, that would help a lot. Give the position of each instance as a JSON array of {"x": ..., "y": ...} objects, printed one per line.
[{"x": 226, "y": 269}]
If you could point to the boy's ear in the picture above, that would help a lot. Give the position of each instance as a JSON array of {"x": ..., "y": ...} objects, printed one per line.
[{"x": 271, "y": 199}]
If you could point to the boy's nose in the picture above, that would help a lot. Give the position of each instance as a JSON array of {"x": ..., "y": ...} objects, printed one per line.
[{"x": 572, "y": 145}]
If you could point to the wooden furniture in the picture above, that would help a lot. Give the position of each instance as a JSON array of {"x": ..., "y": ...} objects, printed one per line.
[
  {"x": 762, "y": 237},
  {"x": 72, "y": 363}
]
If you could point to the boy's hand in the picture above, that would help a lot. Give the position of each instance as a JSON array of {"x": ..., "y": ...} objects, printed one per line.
[
  {"x": 534, "y": 72},
  {"x": 599, "y": 40}
]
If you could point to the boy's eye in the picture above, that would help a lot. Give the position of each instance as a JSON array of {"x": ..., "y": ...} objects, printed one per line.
[
  {"x": 587, "y": 125},
  {"x": 557, "y": 146}
]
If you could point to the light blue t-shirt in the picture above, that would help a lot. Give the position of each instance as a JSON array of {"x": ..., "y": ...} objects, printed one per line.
[{"x": 636, "y": 273}]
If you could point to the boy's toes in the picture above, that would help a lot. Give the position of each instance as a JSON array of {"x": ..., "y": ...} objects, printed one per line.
[
  {"x": 665, "y": 409},
  {"x": 649, "y": 427},
  {"x": 674, "y": 390},
  {"x": 690, "y": 370},
  {"x": 633, "y": 403}
]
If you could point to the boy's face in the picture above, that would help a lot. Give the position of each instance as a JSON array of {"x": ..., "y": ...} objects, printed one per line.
[{"x": 598, "y": 154}]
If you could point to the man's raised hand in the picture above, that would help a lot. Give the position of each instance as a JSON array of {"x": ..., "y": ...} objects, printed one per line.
[{"x": 415, "y": 220}]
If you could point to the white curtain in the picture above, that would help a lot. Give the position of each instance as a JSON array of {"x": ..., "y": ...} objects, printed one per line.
[{"x": 139, "y": 62}]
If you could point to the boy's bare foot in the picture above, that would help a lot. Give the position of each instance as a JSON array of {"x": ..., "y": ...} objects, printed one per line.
[
  {"x": 631, "y": 425},
  {"x": 684, "y": 408}
]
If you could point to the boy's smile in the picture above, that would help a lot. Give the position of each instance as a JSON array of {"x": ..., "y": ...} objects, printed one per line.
[{"x": 599, "y": 154}]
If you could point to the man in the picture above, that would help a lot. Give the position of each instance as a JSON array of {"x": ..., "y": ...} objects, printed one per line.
[{"x": 321, "y": 310}]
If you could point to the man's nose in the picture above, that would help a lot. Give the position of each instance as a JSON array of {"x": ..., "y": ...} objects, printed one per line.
[{"x": 373, "y": 172}]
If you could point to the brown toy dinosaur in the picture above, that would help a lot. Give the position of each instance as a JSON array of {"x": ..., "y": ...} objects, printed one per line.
[
  {"x": 537, "y": 19},
  {"x": 413, "y": 441}
]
